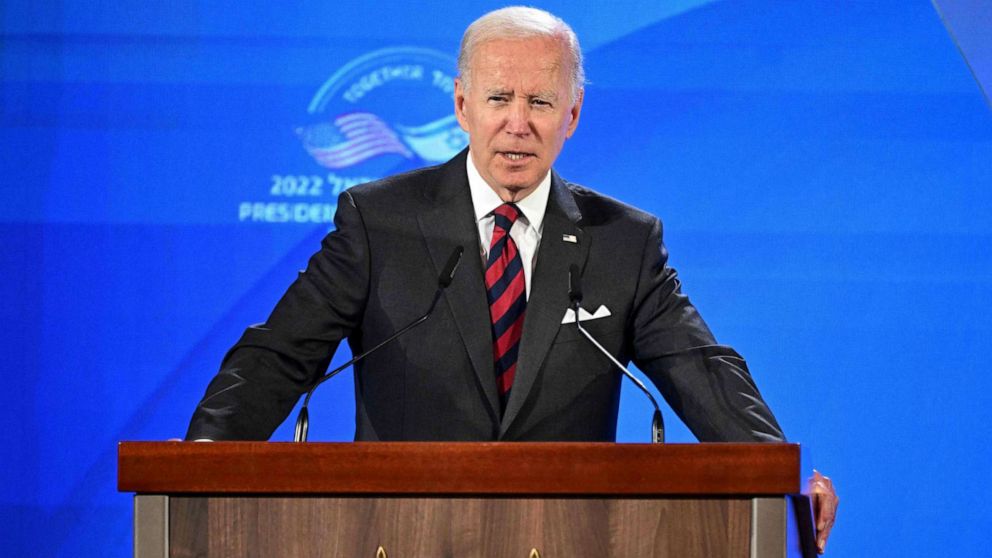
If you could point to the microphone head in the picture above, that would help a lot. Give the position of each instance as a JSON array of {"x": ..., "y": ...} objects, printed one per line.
[
  {"x": 574, "y": 284},
  {"x": 448, "y": 273}
]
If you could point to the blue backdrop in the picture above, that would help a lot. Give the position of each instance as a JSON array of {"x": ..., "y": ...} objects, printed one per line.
[{"x": 822, "y": 170}]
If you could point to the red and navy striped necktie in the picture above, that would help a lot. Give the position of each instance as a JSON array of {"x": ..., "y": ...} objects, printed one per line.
[{"x": 507, "y": 294}]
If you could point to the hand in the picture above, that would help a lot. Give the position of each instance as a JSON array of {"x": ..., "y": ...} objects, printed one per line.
[{"x": 825, "y": 501}]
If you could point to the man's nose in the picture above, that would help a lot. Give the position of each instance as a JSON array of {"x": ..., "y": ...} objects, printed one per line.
[{"x": 518, "y": 120}]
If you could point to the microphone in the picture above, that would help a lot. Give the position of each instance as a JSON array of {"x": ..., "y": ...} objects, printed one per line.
[
  {"x": 575, "y": 298},
  {"x": 443, "y": 280}
]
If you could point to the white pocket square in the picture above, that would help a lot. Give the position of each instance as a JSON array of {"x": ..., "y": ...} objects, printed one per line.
[{"x": 584, "y": 315}]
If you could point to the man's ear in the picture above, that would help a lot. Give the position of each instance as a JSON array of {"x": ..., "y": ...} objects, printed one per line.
[
  {"x": 575, "y": 112},
  {"x": 460, "y": 104}
]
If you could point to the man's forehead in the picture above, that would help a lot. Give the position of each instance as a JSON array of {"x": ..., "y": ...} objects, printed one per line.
[
  {"x": 507, "y": 65},
  {"x": 499, "y": 77},
  {"x": 500, "y": 67},
  {"x": 534, "y": 54}
]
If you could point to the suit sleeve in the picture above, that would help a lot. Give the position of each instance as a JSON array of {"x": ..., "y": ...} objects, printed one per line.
[
  {"x": 708, "y": 385},
  {"x": 264, "y": 374}
]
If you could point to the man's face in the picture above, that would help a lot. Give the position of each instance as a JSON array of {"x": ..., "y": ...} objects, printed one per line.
[{"x": 517, "y": 112}]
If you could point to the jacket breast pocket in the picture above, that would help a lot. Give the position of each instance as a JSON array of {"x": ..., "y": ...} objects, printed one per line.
[{"x": 601, "y": 329}]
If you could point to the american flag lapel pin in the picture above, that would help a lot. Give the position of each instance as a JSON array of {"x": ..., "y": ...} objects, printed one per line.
[{"x": 570, "y": 238}]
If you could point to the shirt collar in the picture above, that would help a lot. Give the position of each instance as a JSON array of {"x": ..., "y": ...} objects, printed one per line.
[{"x": 485, "y": 200}]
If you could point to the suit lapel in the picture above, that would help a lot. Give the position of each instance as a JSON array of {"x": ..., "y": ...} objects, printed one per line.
[
  {"x": 549, "y": 292},
  {"x": 447, "y": 222}
]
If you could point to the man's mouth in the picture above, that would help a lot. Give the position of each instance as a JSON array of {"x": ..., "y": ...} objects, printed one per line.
[{"x": 515, "y": 156}]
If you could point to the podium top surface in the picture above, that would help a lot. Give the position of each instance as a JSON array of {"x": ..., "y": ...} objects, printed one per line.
[{"x": 495, "y": 468}]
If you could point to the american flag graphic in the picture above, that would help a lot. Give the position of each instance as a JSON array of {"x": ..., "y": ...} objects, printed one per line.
[{"x": 353, "y": 138}]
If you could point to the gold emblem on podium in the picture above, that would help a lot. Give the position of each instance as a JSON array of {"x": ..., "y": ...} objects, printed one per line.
[{"x": 380, "y": 552}]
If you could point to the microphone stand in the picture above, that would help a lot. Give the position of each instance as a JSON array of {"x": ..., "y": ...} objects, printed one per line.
[
  {"x": 447, "y": 275},
  {"x": 575, "y": 295}
]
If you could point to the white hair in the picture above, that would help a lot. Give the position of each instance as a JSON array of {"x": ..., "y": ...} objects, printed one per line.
[{"x": 521, "y": 22}]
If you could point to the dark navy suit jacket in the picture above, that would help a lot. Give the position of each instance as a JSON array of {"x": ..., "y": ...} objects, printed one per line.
[{"x": 378, "y": 270}]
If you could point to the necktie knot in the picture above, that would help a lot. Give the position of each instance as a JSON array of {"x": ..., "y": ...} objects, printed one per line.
[{"x": 506, "y": 215}]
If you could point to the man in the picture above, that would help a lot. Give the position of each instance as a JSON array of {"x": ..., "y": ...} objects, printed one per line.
[{"x": 494, "y": 361}]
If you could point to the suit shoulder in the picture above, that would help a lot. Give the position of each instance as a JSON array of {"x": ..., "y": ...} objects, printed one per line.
[
  {"x": 396, "y": 187},
  {"x": 600, "y": 209}
]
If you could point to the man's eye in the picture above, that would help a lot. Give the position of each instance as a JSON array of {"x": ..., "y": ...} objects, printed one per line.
[
  {"x": 497, "y": 99},
  {"x": 540, "y": 103}
]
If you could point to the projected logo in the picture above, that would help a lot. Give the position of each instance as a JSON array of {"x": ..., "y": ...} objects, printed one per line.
[{"x": 384, "y": 112}]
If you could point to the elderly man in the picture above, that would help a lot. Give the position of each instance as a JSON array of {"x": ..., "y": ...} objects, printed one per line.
[{"x": 494, "y": 361}]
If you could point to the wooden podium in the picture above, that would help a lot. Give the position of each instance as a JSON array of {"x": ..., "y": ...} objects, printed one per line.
[{"x": 460, "y": 500}]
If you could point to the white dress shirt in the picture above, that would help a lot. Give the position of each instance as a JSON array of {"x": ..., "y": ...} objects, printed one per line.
[{"x": 526, "y": 231}]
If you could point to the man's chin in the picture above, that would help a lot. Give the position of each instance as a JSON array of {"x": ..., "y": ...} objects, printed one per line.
[
  {"x": 516, "y": 189},
  {"x": 520, "y": 178}
]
